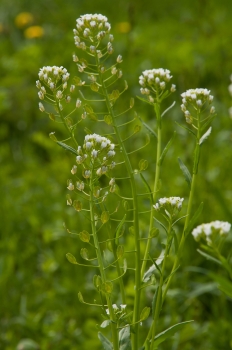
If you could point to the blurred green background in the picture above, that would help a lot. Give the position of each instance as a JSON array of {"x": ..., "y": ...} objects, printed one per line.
[{"x": 38, "y": 287}]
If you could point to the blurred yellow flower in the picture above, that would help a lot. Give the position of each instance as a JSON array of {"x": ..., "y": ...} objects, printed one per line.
[
  {"x": 33, "y": 32},
  {"x": 23, "y": 19},
  {"x": 123, "y": 27}
]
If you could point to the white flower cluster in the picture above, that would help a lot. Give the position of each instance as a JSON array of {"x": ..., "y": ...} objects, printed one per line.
[
  {"x": 197, "y": 98},
  {"x": 155, "y": 80},
  {"x": 172, "y": 205},
  {"x": 97, "y": 149},
  {"x": 51, "y": 76},
  {"x": 207, "y": 231},
  {"x": 93, "y": 27},
  {"x": 116, "y": 309}
]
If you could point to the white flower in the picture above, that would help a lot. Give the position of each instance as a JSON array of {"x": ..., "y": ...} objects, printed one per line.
[
  {"x": 41, "y": 107},
  {"x": 207, "y": 231}
]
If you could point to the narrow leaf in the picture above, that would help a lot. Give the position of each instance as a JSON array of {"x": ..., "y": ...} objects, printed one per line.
[
  {"x": 194, "y": 218},
  {"x": 71, "y": 258},
  {"x": 209, "y": 257},
  {"x": 107, "y": 345},
  {"x": 206, "y": 135},
  {"x": 147, "y": 186},
  {"x": 165, "y": 151},
  {"x": 161, "y": 337},
  {"x": 147, "y": 275},
  {"x": 186, "y": 128},
  {"x": 124, "y": 338},
  {"x": 166, "y": 110},
  {"x": 223, "y": 284},
  {"x": 147, "y": 127},
  {"x": 185, "y": 172},
  {"x": 67, "y": 148},
  {"x": 105, "y": 324}
]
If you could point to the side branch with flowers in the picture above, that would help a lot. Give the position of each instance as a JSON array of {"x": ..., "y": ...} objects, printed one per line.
[{"x": 102, "y": 161}]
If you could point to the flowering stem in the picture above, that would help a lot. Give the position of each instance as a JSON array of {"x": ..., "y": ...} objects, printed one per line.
[
  {"x": 155, "y": 188},
  {"x": 189, "y": 209},
  {"x": 160, "y": 297},
  {"x": 101, "y": 266},
  {"x": 135, "y": 216}
]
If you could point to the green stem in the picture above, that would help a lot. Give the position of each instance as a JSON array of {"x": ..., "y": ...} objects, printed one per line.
[
  {"x": 155, "y": 188},
  {"x": 101, "y": 267},
  {"x": 159, "y": 299},
  {"x": 189, "y": 209},
  {"x": 135, "y": 216}
]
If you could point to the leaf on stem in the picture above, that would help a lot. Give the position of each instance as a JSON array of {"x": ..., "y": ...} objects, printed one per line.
[
  {"x": 165, "y": 151},
  {"x": 107, "y": 345},
  {"x": 107, "y": 287},
  {"x": 185, "y": 172},
  {"x": 223, "y": 284},
  {"x": 105, "y": 323},
  {"x": 186, "y": 128},
  {"x": 124, "y": 338},
  {"x": 205, "y": 136},
  {"x": 147, "y": 127},
  {"x": 194, "y": 219},
  {"x": 166, "y": 110},
  {"x": 149, "y": 273},
  {"x": 161, "y": 337}
]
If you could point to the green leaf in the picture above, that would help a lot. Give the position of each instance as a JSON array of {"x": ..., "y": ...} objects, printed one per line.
[
  {"x": 124, "y": 338},
  {"x": 107, "y": 345},
  {"x": 223, "y": 284},
  {"x": 146, "y": 101},
  {"x": 165, "y": 151},
  {"x": 154, "y": 301},
  {"x": 145, "y": 313},
  {"x": 204, "y": 126},
  {"x": 166, "y": 110},
  {"x": 161, "y": 337},
  {"x": 194, "y": 218},
  {"x": 186, "y": 128},
  {"x": 147, "y": 127},
  {"x": 147, "y": 186},
  {"x": 205, "y": 136},
  {"x": 71, "y": 258},
  {"x": 209, "y": 257},
  {"x": 185, "y": 172},
  {"x": 149, "y": 273},
  {"x": 105, "y": 323}
]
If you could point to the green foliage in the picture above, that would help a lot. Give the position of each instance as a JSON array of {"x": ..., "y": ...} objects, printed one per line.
[{"x": 38, "y": 287}]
